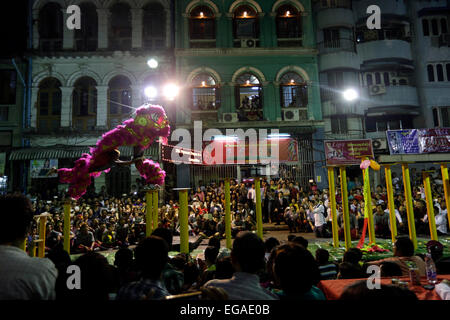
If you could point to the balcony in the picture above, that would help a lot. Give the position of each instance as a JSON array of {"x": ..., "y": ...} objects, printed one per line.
[
  {"x": 384, "y": 49},
  {"x": 391, "y": 96},
  {"x": 335, "y": 16},
  {"x": 340, "y": 53}
]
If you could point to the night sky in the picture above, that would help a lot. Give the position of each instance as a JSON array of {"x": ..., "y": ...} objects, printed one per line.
[{"x": 13, "y": 28}]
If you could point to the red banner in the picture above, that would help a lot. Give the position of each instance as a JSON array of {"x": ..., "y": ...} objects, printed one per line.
[{"x": 347, "y": 152}]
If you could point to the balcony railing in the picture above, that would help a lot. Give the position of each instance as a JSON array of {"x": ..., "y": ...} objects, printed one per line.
[
  {"x": 290, "y": 42},
  {"x": 337, "y": 45}
]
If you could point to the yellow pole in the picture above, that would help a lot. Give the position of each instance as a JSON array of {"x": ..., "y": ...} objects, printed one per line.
[
  {"x": 332, "y": 195},
  {"x": 446, "y": 183},
  {"x": 67, "y": 205},
  {"x": 42, "y": 230},
  {"x": 430, "y": 209},
  {"x": 23, "y": 245},
  {"x": 155, "y": 209},
  {"x": 227, "y": 213},
  {"x": 409, "y": 204},
  {"x": 371, "y": 225},
  {"x": 390, "y": 195},
  {"x": 259, "y": 223},
  {"x": 148, "y": 213},
  {"x": 183, "y": 220},
  {"x": 344, "y": 193}
]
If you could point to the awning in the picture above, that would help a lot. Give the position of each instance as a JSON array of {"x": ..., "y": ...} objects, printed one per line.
[{"x": 64, "y": 152}]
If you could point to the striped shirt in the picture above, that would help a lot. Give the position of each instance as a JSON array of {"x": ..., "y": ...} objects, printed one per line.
[
  {"x": 328, "y": 271},
  {"x": 243, "y": 286},
  {"x": 144, "y": 289}
]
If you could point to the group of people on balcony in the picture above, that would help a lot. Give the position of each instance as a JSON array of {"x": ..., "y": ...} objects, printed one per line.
[{"x": 250, "y": 109}]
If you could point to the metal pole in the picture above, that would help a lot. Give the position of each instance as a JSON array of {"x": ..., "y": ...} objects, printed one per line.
[
  {"x": 409, "y": 204},
  {"x": 148, "y": 213},
  {"x": 67, "y": 205},
  {"x": 183, "y": 220},
  {"x": 332, "y": 194},
  {"x": 259, "y": 223},
  {"x": 430, "y": 209},
  {"x": 227, "y": 213},
  {"x": 390, "y": 195},
  {"x": 368, "y": 198},
  {"x": 344, "y": 192},
  {"x": 446, "y": 183}
]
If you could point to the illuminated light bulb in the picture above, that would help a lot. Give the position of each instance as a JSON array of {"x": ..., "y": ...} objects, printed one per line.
[
  {"x": 203, "y": 83},
  {"x": 247, "y": 82},
  {"x": 288, "y": 13},
  {"x": 201, "y": 14},
  {"x": 245, "y": 14},
  {"x": 292, "y": 81}
]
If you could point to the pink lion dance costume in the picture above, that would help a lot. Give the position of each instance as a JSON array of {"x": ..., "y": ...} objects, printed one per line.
[{"x": 140, "y": 132}]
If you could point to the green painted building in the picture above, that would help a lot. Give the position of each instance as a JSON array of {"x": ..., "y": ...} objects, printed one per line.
[{"x": 250, "y": 64}]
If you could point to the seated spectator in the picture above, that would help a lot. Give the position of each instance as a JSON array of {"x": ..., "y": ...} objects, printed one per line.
[
  {"x": 191, "y": 275},
  {"x": 353, "y": 256},
  {"x": 84, "y": 240},
  {"x": 224, "y": 268},
  {"x": 390, "y": 269},
  {"x": 301, "y": 241},
  {"x": 436, "y": 249},
  {"x": 348, "y": 270},
  {"x": 327, "y": 269},
  {"x": 295, "y": 270},
  {"x": 404, "y": 255},
  {"x": 123, "y": 260},
  {"x": 210, "y": 264},
  {"x": 269, "y": 245},
  {"x": 151, "y": 258},
  {"x": 247, "y": 258},
  {"x": 21, "y": 277},
  {"x": 359, "y": 291}
]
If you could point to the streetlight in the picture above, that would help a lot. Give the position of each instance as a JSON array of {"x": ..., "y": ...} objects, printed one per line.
[
  {"x": 350, "y": 94},
  {"x": 152, "y": 63},
  {"x": 151, "y": 92},
  {"x": 170, "y": 91}
]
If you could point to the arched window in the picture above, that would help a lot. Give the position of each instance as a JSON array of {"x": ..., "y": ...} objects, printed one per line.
[
  {"x": 84, "y": 104},
  {"x": 49, "y": 105},
  {"x": 86, "y": 37},
  {"x": 245, "y": 26},
  {"x": 119, "y": 102},
  {"x": 120, "y": 32},
  {"x": 440, "y": 72},
  {"x": 444, "y": 28},
  {"x": 205, "y": 93},
  {"x": 430, "y": 71},
  {"x": 289, "y": 26},
  {"x": 51, "y": 27},
  {"x": 249, "y": 98},
  {"x": 154, "y": 24},
  {"x": 293, "y": 91},
  {"x": 369, "y": 79},
  {"x": 202, "y": 28},
  {"x": 434, "y": 27},
  {"x": 425, "y": 27}
]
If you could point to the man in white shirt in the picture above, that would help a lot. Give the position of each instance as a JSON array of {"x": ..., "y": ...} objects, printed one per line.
[
  {"x": 440, "y": 216},
  {"x": 319, "y": 227},
  {"x": 21, "y": 277}
]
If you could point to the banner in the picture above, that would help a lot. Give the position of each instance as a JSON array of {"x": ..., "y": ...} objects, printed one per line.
[
  {"x": 347, "y": 152},
  {"x": 40, "y": 168},
  {"x": 417, "y": 141}
]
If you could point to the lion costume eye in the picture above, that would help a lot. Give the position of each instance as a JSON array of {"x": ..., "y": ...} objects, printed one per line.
[{"x": 142, "y": 121}]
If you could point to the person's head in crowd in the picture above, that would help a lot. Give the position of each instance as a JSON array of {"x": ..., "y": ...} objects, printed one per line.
[
  {"x": 211, "y": 255},
  {"x": 191, "y": 275},
  {"x": 224, "y": 268},
  {"x": 248, "y": 253},
  {"x": 390, "y": 269},
  {"x": 151, "y": 256},
  {"x": 164, "y": 233},
  {"x": 123, "y": 259},
  {"x": 271, "y": 243},
  {"x": 353, "y": 256},
  {"x": 360, "y": 291},
  {"x": 403, "y": 247},
  {"x": 322, "y": 256},
  {"x": 98, "y": 277},
  {"x": 16, "y": 215},
  {"x": 436, "y": 249},
  {"x": 214, "y": 242},
  {"x": 295, "y": 269},
  {"x": 349, "y": 270},
  {"x": 301, "y": 241},
  {"x": 290, "y": 237}
]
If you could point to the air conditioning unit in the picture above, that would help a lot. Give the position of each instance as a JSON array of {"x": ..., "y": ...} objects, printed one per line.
[
  {"x": 230, "y": 117},
  {"x": 248, "y": 43},
  {"x": 377, "y": 89},
  {"x": 379, "y": 144},
  {"x": 291, "y": 115}
]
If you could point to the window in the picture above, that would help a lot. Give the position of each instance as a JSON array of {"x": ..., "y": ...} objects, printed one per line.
[
  {"x": 289, "y": 26},
  {"x": 445, "y": 114},
  {"x": 120, "y": 32},
  {"x": 331, "y": 38},
  {"x": 202, "y": 30},
  {"x": 369, "y": 79},
  {"x": 447, "y": 67},
  {"x": 434, "y": 27},
  {"x": 86, "y": 37},
  {"x": 84, "y": 104},
  {"x": 377, "y": 78},
  {"x": 386, "y": 78},
  {"x": 336, "y": 79},
  {"x": 248, "y": 98},
  {"x": 245, "y": 23},
  {"x": 293, "y": 91},
  {"x": 119, "y": 102},
  {"x": 388, "y": 122},
  {"x": 444, "y": 25},
  {"x": 51, "y": 27},
  {"x": 339, "y": 125},
  {"x": 49, "y": 105},
  {"x": 436, "y": 117},
  {"x": 430, "y": 71},
  {"x": 440, "y": 72},
  {"x": 8, "y": 83},
  {"x": 205, "y": 93},
  {"x": 154, "y": 26},
  {"x": 425, "y": 27}
]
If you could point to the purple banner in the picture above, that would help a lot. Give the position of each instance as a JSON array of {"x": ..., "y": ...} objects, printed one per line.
[{"x": 417, "y": 141}]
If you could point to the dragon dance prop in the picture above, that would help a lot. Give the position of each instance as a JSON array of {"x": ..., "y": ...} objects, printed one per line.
[{"x": 149, "y": 123}]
